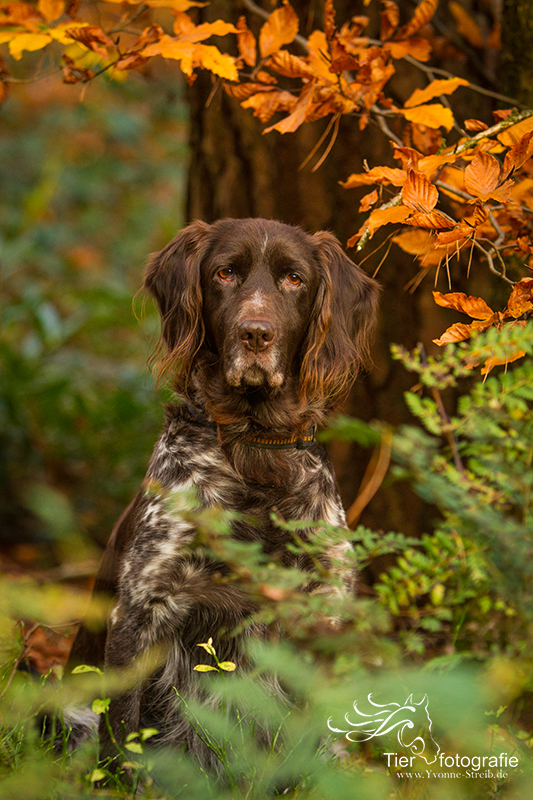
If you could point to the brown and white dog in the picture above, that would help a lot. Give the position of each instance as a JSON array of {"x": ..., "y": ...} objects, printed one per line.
[{"x": 264, "y": 328}]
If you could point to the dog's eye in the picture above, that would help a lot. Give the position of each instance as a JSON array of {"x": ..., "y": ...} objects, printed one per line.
[
  {"x": 293, "y": 279},
  {"x": 225, "y": 274}
]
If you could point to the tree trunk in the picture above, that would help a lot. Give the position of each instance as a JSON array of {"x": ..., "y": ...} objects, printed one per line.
[
  {"x": 517, "y": 50},
  {"x": 236, "y": 171}
]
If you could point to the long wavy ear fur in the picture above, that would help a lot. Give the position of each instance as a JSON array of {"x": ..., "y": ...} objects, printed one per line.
[
  {"x": 173, "y": 279},
  {"x": 343, "y": 321}
]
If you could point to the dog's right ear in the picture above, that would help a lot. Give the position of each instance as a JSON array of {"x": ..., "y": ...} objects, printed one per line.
[{"x": 173, "y": 279}]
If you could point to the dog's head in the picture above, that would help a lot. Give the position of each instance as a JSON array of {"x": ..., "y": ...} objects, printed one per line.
[{"x": 263, "y": 307}]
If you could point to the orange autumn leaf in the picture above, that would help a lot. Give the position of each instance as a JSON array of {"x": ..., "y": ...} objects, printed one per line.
[
  {"x": 242, "y": 91},
  {"x": 475, "y": 125},
  {"x": 287, "y": 64},
  {"x": 457, "y": 234},
  {"x": 434, "y": 89},
  {"x": 423, "y": 13},
  {"x": 246, "y": 43},
  {"x": 482, "y": 174},
  {"x": 521, "y": 299},
  {"x": 434, "y": 115},
  {"x": 418, "y": 193},
  {"x": 466, "y": 25},
  {"x": 376, "y": 175},
  {"x": 455, "y": 333},
  {"x": 510, "y": 136},
  {"x": 518, "y": 154},
  {"x": 379, "y": 218},
  {"x": 51, "y": 9},
  {"x": 368, "y": 201},
  {"x": 266, "y": 103},
  {"x": 436, "y": 220},
  {"x": 298, "y": 116},
  {"x": 280, "y": 28},
  {"x": 416, "y": 48},
  {"x": 492, "y": 362},
  {"x": 475, "y": 307}
]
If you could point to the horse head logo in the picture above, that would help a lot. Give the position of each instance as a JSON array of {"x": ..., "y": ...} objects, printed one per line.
[{"x": 411, "y": 720}]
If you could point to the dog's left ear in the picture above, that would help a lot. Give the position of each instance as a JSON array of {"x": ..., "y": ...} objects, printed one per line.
[
  {"x": 173, "y": 279},
  {"x": 344, "y": 318}
]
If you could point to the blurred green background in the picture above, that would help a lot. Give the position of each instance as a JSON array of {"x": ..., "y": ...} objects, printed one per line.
[{"x": 88, "y": 187}]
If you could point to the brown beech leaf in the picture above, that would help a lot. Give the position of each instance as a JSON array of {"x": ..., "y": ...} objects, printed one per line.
[
  {"x": 93, "y": 37},
  {"x": 131, "y": 61},
  {"x": 241, "y": 91},
  {"x": 246, "y": 43},
  {"x": 434, "y": 89},
  {"x": 475, "y": 307},
  {"x": 423, "y": 13},
  {"x": 329, "y": 19},
  {"x": 433, "y": 115},
  {"x": 368, "y": 201},
  {"x": 518, "y": 154},
  {"x": 280, "y": 28},
  {"x": 521, "y": 299},
  {"x": 341, "y": 60},
  {"x": 492, "y": 362},
  {"x": 482, "y": 175},
  {"x": 390, "y": 18},
  {"x": 418, "y": 193},
  {"x": 475, "y": 125},
  {"x": 286, "y": 63},
  {"x": 376, "y": 175},
  {"x": 456, "y": 333}
]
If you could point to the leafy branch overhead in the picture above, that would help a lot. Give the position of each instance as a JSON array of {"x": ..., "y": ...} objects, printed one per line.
[{"x": 471, "y": 194}]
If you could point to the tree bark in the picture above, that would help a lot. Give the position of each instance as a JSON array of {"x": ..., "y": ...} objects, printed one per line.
[{"x": 517, "y": 50}]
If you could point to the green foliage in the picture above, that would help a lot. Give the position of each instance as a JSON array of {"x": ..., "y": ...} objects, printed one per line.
[{"x": 86, "y": 191}]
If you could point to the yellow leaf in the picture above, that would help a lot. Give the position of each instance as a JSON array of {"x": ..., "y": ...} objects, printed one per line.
[
  {"x": 216, "y": 62},
  {"x": 512, "y": 135},
  {"x": 434, "y": 115},
  {"x": 51, "y": 9},
  {"x": 28, "y": 41},
  {"x": 280, "y": 28},
  {"x": 318, "y": 62},
  {"x": 434, "y": 89}
]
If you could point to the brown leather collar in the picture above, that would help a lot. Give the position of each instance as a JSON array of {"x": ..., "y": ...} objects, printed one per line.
[{"x": 271, "y": 441}]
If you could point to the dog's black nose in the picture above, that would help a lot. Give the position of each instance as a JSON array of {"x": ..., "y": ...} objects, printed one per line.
[{"x": 256, "y": 334}]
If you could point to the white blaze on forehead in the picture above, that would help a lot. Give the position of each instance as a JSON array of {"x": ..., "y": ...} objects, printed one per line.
[
  {"x": 256, "y": 301},
  {"x": 264, "y": 245}
]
